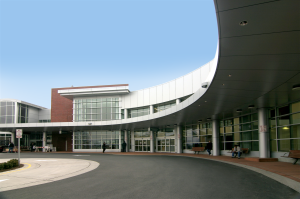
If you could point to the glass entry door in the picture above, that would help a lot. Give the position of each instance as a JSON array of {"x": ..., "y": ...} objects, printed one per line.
[
  {"x": 142, "y": 145},
  {"x": 165, "y": 145}
]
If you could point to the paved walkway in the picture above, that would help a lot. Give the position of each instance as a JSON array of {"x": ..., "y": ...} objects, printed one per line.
[{"x": 43, "y": 170}]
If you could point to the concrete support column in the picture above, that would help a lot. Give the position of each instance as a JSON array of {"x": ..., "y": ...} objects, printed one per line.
[
  {"x": 179, "y": 139},
  {"x": 16, "y": 113},
  {"x": 13, "y": 135},
  {"x": 132, "y": 141},
  {"x": 263, "y": 129},
  {"x": 177, "y": 101},
  {"x": 125, "y": 113},
  {"x": 215, "y": 137},
  {"x": 152, "y": 139},
  {"x": 44, "y": 140},
  {"x": 120, "y": 141},
  {"x": 126, "y": 138},
  {"x": 151, "y": 109}
]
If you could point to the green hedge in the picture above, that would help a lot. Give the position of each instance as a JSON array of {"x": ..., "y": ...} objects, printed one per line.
[{"x": 10, "y": 164}]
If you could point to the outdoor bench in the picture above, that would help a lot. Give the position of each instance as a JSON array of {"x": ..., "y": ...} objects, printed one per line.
[
  {"x": 293, "y": 154},
  {"x": 198, "y": 149}
]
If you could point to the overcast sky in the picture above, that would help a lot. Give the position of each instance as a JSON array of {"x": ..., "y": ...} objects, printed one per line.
[{"x": 48, "y": 44}]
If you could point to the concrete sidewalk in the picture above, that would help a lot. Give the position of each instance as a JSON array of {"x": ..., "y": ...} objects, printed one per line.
[{"x": 43, "y": 170}]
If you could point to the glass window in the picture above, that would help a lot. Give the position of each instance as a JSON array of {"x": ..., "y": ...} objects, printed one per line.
[
  {"x": 295, "y": 107},
  {"x": 295, "y": 118},
  {"x": 284, "y": 110}
]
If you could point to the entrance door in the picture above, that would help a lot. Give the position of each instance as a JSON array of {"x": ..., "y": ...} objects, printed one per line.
[
  {"x": 165, "y": 145},
  {"x": 142, "y": 145}
]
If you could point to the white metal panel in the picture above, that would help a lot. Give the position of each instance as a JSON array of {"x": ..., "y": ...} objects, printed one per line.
[
  {"x": 146, "y": 97},
  {"x": 140, "y": 100},
  {"x": 188, "y": 84},
  {"x": 33, "y": 115},
  {"x": 172, "y": 89},
  {"x": 159, "y": 93},
  {"x": 126, "y": 102},
  {"x": 166, "y": 92},
  {"x": 196, "y": 80},
  {"x": 204, "y": 72},
  {"x": 45, "y": 114},
  {"x": 153, "y": 95},
  {"x": 179, "y": 87},
  {"x": 134, "y": 99}
]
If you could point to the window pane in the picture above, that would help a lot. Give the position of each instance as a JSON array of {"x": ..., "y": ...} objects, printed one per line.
[{"x": 284, "y": 132}]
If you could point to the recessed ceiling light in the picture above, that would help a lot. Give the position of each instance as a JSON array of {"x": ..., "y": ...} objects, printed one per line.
[
  {"x": 205, "y": 101},
  {"x": 229, "y": 75},
  {"x": 198, "y": 105},
  {"x": 223, "y": 84},
  {"x": 296, "y": 87},
  {"x": 251, "y": 106},
  {"x": 238, "y": 110},
  {"x": 243, "y": 23}
]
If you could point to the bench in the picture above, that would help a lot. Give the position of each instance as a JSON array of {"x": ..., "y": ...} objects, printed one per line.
[
  {"x": 293, "y": 154},
  {"x": 243, "y": 151},
  {"x": 15, "y": 150},
  {"x": 198, "y": 149}
]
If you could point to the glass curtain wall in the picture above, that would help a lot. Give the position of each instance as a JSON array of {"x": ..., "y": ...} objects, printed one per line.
[
  {"x": 97, "y": 109},
  {"x": 142, "y": 140},
  {"x": 23, "y": 113},
  {"x": 164, "y": 106},
  {"x": 240, "y": 130},
  {"x": 165, "y": 140},
  {"x": 137, "y": 112},
  {"x": 196, "y": 135},
  {"x": 7, "y": 112},
  {"x": 285, "y": 128},
  {"x": 95, "y": 139}
]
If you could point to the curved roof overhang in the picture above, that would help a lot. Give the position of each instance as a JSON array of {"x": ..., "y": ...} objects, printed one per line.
[{"x": 257, "y": 64}]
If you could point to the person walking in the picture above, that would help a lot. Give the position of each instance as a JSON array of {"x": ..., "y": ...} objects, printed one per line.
[
  {"x": 11, "y": 147},
  {"x": 31, "y": 146},
  {"x": 209, "y": 147},
  {"x": 124, "y": 146},
  {"x": 104, "y": 147}
]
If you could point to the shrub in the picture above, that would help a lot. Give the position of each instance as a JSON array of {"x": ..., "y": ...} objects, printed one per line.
[
  {"x": 14, "y": 162},
  {"x": 9, "y": 164}
]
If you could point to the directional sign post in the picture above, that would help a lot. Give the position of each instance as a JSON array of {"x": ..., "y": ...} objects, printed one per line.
[{"x": 19, "y": 133}]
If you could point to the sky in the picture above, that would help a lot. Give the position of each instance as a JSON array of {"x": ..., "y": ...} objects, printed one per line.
[{"x": 48, "y": 44}]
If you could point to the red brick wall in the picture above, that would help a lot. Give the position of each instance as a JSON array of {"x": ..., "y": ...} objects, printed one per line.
[{"x": 62, "y": 108}]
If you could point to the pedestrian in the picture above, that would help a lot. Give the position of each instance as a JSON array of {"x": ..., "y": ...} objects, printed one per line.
[
  {"x": 236, "y": 150},
  {"x": 104, "y": 146},
  {"x": 124, "y": 146},
  {"x": 209, "y": 147},
  {"x": 31, "y": 147},
  {"x": 11, "y": 147}
]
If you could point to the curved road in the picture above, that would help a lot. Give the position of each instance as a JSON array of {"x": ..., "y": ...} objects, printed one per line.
[{"x": 153, "y": 177}]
